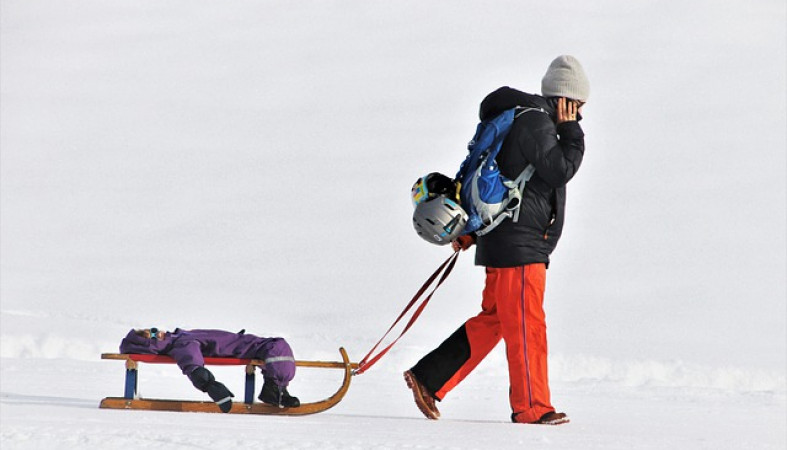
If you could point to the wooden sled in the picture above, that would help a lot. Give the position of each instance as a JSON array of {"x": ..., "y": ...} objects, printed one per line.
[{"x": 131, "y": 400}]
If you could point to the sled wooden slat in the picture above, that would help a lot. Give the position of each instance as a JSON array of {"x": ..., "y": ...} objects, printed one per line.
[
  {"x": 210, "y": 407},
  {"x": 131, "y": 401}
]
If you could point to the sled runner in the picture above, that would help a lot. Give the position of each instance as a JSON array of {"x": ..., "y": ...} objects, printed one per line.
[{"x": 130, "y": 400}]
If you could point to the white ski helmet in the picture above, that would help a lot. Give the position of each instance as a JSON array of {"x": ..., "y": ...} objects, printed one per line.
[{"x": 437, "y": 218}]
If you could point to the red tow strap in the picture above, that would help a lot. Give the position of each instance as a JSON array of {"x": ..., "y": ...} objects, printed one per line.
[{"x": 448, "y": 265}]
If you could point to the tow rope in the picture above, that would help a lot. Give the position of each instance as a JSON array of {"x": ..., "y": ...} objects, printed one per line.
[{"x": 445, "y": 268}]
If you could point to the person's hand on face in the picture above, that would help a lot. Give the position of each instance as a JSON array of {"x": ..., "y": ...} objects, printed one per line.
[{"x": 567, "y": 109}]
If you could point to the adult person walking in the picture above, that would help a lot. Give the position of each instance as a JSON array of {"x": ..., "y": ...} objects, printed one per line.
[{"x": 516, "y": 254}]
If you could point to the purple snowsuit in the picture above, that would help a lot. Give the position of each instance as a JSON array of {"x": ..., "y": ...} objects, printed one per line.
[{"x": 188, "y": 347}]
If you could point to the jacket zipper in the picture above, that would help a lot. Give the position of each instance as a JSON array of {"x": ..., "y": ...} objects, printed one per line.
[{"x": 546, "y": 230}]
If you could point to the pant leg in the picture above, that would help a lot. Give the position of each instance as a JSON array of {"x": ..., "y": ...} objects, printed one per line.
[
  {"x": 446, "y": 366},
  {"x": 278, "y": 357},
  {"x": 523, "y": 325}
]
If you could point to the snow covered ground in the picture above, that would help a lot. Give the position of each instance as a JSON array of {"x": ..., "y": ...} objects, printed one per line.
[{"x": 248, "y": 165}]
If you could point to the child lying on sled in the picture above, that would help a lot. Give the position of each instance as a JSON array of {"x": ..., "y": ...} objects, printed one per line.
[{"x": 188, "y": 347}]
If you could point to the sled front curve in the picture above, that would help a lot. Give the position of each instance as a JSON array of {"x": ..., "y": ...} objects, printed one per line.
[{"x": 237, "y": 407}]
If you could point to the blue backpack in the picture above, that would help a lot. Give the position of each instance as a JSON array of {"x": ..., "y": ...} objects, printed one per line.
[{"x": 487, "y": 196}]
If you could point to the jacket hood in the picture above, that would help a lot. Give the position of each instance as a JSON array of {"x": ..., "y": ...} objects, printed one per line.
[
  {"x": 506, "y": 98},
  {"x": 134, "y": 343}
]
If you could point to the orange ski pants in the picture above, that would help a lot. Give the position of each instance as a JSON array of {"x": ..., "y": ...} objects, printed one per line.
[{"x": 512, "y": 309}]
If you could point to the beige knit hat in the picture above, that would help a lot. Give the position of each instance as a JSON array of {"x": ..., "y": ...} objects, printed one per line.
[{"x": 565, "y": 78}]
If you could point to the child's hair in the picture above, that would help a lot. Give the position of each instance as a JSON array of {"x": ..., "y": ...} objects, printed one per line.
[{"x": 143, "y": 332}]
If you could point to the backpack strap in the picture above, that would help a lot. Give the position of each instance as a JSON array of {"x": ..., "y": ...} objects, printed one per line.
[
  {"x": 519, "y": 110},
  {"x": 521, "y": 181},
  {"x": 497, "y": 220}
]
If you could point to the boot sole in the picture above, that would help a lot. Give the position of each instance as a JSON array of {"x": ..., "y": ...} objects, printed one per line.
[
  {"x": 559, "y": 420},
  {"x": 418, "y": 395},
  {"x": 555, "y": 422}
]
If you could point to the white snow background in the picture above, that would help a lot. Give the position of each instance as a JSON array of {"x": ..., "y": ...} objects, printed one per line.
[{"x": 247, "y": 164}]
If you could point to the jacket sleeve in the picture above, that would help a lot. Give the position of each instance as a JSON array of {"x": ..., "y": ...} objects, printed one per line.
[{"x": 556, "y": 159}]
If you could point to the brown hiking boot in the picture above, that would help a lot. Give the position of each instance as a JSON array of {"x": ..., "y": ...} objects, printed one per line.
[
  {"x": 423, "y": 399},
  {"x": 550, "y": 418}
]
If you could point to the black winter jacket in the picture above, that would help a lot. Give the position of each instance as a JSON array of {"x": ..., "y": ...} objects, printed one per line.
[{"x": 556, "y": 152}]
